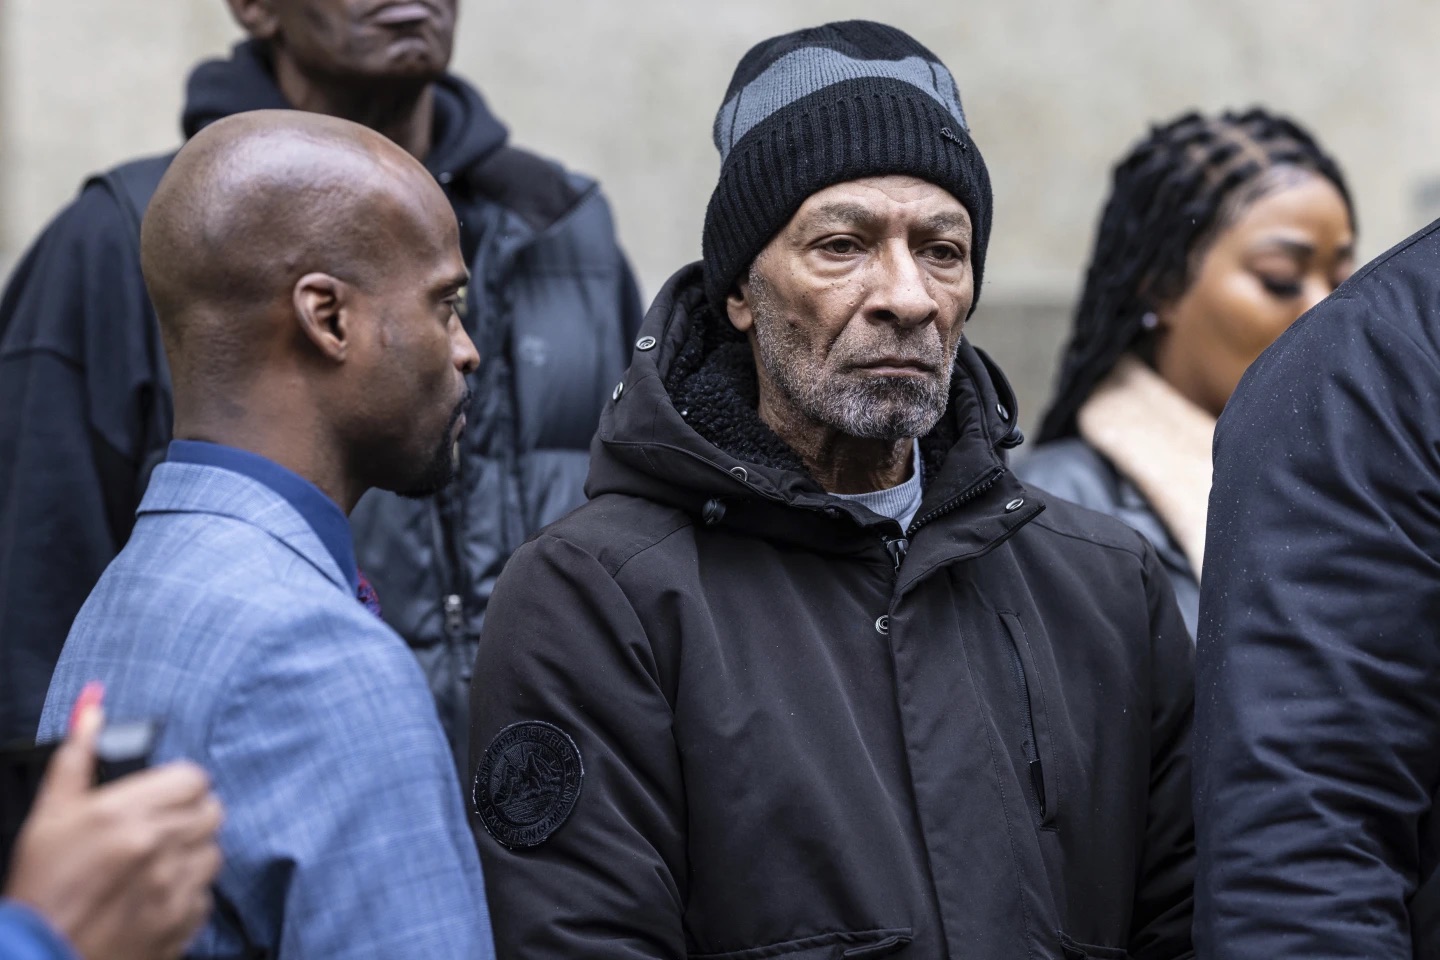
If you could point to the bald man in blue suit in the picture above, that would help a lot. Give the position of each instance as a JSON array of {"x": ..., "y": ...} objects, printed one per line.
[{"x": 305, "y": 272}]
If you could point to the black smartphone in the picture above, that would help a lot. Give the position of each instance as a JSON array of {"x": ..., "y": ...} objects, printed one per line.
[{"x": 121, "y": 748}]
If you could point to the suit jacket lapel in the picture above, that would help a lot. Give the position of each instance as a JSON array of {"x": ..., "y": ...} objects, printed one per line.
[{"x": 195, "y": 488}]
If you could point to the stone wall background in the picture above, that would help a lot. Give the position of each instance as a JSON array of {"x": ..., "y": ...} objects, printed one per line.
[{"x": 626, "y": 90}]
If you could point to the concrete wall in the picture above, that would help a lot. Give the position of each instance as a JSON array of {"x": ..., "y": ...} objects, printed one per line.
[{"x": 626, "y": 89}]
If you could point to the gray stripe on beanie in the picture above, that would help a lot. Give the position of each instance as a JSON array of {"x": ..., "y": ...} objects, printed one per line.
[{"x": 803, "y": 72}]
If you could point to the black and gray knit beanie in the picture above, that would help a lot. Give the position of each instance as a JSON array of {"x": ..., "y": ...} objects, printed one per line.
[{"x": 823, "y": 106}]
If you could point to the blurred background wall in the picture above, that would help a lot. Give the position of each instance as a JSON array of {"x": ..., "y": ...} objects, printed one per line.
[{"x": 626, "y": 89}]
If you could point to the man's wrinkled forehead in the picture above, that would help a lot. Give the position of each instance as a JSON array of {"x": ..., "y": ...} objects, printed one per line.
[
  {"x": 842, "y": 206},
  {"x": 842, "y": 214}
]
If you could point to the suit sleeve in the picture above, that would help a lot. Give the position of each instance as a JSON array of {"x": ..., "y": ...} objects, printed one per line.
[
  {"x": 1318, "y": 716},
  {"x": 80, "y": 378},
  {"x": 345, "y": 834},
  {"x": 562, "y": 645},
  {"x": 1164, "y": 905}
]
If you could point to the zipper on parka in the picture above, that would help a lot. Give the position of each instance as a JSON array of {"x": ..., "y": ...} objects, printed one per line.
[
  {"x": 1030, "y": 748},
  {"x": 955, "y": 502},
  {"x": 451, "y": 511},
  {"x": 898, "y": 547}
]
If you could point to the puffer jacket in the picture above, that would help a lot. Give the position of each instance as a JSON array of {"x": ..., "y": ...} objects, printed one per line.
[
  {"x": 727, "y": 715},
  {"x": 1076, "y": 471}
]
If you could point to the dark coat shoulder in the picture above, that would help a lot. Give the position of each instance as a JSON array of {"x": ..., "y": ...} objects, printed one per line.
[{"x": 1318, "y": 719}]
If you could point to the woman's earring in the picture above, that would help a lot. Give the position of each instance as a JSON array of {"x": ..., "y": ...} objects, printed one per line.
[{"x": 1149, "y": 320}]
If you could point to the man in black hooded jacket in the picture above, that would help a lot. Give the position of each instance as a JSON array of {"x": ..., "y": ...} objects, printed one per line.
[
  {"x": 812, "y": 675},
  {"x": 85, "y": 408}
]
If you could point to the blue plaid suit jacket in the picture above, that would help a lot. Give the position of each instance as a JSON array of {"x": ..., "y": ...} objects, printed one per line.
[{"x": 226, "y": 618}]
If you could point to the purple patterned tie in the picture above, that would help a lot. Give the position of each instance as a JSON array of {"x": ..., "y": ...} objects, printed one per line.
[{"x": 367, "y": 596}]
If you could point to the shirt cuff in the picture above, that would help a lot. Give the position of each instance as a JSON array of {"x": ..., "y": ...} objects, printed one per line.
[{"x": 25, "y": 935}]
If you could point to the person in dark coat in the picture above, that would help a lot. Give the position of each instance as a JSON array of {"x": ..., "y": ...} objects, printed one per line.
[
  {"x": 812, "y": 674},
  {"x": 1219, "y": 232},
  {"x": 85, "y": 398},
  {"x": 1318, "y": 710}
]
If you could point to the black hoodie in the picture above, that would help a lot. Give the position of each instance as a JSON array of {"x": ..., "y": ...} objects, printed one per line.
[
  {"x": 773, "y": 724},
  {"x": 85, "y": 406}
]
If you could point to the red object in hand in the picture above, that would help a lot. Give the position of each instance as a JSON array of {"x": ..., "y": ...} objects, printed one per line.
[{"x": 91, "y": 695}]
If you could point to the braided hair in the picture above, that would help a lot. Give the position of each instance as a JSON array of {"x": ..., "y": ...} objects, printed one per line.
[{"x": 1170, "y": 197}]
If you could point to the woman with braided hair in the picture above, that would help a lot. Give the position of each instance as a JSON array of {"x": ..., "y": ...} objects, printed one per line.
[{"x": 1220, "y": 231}]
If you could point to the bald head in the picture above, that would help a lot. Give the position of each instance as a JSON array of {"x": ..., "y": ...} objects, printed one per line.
[
  {"x": 306, "y": 272},
  {"x": 259, "y": 200}
]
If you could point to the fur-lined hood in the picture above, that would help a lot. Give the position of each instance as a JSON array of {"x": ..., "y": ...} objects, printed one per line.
[{"x": 684, "y": 428}]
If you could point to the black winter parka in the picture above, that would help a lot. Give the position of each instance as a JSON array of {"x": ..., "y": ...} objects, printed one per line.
[{"x": 757, "y": 721}]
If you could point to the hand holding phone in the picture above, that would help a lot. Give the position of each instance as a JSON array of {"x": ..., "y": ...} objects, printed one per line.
[{"x": 123, "y": 869}]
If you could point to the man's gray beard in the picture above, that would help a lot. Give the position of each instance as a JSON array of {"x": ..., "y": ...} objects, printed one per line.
[{"x": 872, "y": 408}]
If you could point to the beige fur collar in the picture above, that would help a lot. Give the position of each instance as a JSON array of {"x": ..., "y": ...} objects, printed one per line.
[{"x": 1160, "y": 442}]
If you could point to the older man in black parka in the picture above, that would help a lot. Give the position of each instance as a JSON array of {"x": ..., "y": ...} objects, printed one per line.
[{"x": 813, "y": 675}]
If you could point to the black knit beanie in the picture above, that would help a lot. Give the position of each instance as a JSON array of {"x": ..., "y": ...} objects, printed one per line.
[{"x": 827, "y": 105}]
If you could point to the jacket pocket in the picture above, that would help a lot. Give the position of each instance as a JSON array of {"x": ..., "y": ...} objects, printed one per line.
[
  {"x": 841, "y": 945},
  {"x": 1075, "y": 950},
  {"x": 1035, "y": 729},
  {"x": 880, "y": 948}
]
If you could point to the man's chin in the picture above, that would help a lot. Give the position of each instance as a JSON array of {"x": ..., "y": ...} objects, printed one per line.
[
  {"x": 428, "y": 489},
  {"x": 415, "y": 59},
  {"x": 889, "y": 409},
  {"x": 889, "y": 426},
  {"x": 408, "y": 62},
  {"x": 435, "y": 480},
  {"x": 424, "y": 491}
]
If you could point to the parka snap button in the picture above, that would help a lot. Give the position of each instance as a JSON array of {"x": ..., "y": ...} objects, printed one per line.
[
  {"x": 882, "y": 625},
  {"x": 740, "y": 473},
  {"x": 645, "y": 343},
  {"x": 619, "y": 389},
  {"x": 1004, "y": 412},
  {"x": 1014, "y": 505}
]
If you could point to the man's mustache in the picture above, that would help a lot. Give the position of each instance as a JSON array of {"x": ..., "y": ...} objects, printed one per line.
[{"x": 929, "y": 357}]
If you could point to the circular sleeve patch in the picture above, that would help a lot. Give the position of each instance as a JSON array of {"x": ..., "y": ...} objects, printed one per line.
[{"x": 527, "y": 783}]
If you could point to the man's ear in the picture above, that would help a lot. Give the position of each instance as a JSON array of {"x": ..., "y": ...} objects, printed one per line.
[
  {"x": 256, "y": 17},
  {"x": 324, "y": 308},
  {"x": 738, "y": 306}
]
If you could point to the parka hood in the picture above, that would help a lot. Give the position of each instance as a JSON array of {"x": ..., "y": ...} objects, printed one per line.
[
  {"x": 466, "y": 132},
  {"x": 684, "y": 429}
]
